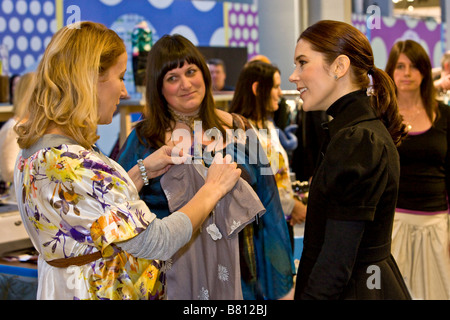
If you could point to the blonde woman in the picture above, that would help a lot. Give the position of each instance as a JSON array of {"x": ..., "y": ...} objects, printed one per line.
[{"x": 96, "y": 239}]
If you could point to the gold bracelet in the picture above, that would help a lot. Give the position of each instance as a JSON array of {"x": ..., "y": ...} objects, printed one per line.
[{"x": 143, "y": 172}]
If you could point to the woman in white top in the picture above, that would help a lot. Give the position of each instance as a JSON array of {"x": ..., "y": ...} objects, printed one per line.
[
  {"x": 95, "y": 237},
  {"x": 8, "y": 137}
]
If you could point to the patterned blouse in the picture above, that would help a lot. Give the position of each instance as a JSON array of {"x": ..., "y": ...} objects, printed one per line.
[
  {"x": 279, "y": 162},
  {"x": 75, "y": 202}
]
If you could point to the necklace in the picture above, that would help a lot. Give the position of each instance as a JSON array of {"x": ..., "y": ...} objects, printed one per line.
[
  {"x": 409, "y": 118},
  {"x": 187, "y": 120}
]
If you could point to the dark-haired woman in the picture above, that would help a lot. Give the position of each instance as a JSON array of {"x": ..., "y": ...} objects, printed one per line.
[
  {"x": 179, "y": 95},
  {"x": 420, "y": 239},
  {"x": 351, "y": 205}
]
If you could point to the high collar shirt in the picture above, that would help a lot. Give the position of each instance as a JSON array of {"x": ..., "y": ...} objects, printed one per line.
[{"x": 354, "y": 188}]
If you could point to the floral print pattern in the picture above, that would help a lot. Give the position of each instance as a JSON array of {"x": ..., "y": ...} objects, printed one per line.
[
  {"x": 75, "y": 202},
  {"x": 279, "y": 163}
]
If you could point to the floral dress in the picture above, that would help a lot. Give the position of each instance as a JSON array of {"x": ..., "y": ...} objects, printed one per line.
[{"x": 75, "y": 202}]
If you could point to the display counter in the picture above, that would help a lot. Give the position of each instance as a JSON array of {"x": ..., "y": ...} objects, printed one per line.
[
  {"x": 6, "y": 112},
  {"x": 13, "y": 235},
  {"x": 126, "y": 108},
  {"x": 18, "y": 280}
]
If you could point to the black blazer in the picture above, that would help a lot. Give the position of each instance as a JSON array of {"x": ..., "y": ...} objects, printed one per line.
[{"x": 351, "y": 208}]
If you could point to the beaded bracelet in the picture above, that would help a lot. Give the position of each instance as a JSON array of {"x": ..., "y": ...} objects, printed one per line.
[{"x": 143, "y": 172}]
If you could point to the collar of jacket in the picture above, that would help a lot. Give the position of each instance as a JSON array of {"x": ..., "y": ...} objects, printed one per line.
[{"x": 349, "y": 110}]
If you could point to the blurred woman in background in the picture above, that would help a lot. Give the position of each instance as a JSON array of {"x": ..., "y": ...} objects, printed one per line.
[
  {"x": 256, "y": 97},
  {"x": 420, "y": 242},
  {"x": 8, "y": 137}
]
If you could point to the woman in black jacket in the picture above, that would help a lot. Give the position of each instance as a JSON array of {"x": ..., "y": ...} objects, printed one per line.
[{"x": 353, "y": 194}]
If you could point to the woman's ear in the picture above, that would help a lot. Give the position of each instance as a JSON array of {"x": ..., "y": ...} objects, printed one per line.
[
  {"x": 341, "y": 66},
  {"x": 255, "y": 88}
]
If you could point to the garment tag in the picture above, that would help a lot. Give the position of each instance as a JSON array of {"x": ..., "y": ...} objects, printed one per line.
[{"x": 214, "y": 232}]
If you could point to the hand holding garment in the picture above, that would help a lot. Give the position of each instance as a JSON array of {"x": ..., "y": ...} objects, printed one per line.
[{"x": 210, "y": 261}]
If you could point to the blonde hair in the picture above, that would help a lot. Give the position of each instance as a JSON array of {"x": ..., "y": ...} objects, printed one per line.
[
  {"x": 65, "y": 95},
  {"x": 22, "y": 95}
]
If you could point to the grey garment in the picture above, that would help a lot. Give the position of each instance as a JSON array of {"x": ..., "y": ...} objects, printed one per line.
[
  {"x": 161, "y": 239},
  {"x": 208, "y": 267}
]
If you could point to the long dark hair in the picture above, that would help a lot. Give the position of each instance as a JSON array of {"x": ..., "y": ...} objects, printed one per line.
[
  {"x": 168, "y": 53},
  {"x": 334, "y": 38},
  {"x": 419, "y": 57},
  {"x": 251, "y": 106}
]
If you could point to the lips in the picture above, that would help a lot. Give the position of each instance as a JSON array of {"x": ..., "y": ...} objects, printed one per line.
[
  {"x": 302, "y": 90},
  {"x": 407, "y": 82},
  {"x": 187, "y": 95}
]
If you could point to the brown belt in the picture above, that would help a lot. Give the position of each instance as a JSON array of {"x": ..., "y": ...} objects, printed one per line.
[{"x": 75, "y": 261}]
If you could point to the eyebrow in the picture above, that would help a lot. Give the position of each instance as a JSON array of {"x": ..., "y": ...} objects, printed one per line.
[
  {"x": 297, "y": 59},
  {"x": 171, "y": 73}
]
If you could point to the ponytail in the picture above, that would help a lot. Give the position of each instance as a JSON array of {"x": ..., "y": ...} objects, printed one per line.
[{"x": 384, "y": 101}]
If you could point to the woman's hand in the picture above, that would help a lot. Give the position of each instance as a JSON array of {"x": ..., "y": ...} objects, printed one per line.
[
  {"x": 298, "y": 213},
  {"x": 223, "y": 174},
  {"x": 160, "y": 161},
  {"x": 443, "y": 83}
]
